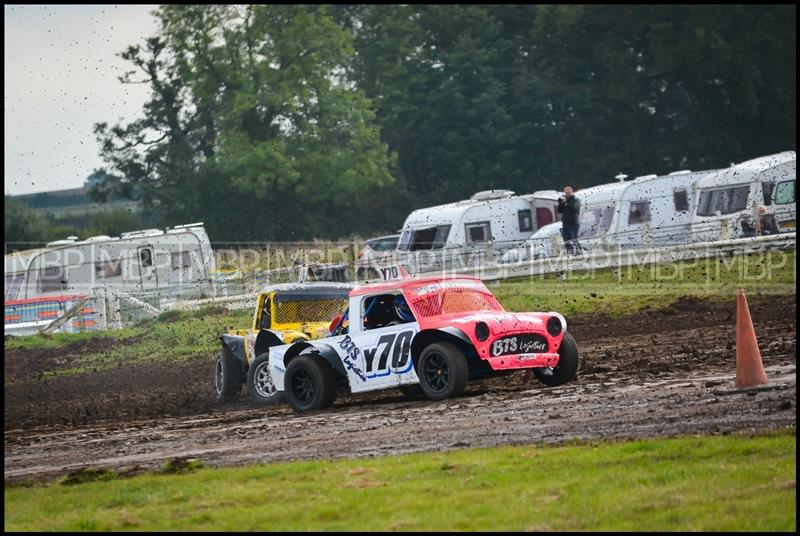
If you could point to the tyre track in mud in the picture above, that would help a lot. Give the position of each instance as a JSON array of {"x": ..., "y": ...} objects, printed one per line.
[{"x": 660, "y": 373}]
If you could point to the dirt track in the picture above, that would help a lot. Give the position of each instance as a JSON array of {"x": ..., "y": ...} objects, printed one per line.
[{"x": 664, "y": 372}]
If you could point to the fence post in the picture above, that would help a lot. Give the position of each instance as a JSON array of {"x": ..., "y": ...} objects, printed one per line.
[
  {"x": 100, "y": 312},
  {"x": 556, "y": 245}
]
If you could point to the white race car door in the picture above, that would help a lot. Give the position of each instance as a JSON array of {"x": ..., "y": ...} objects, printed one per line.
[{"x": 384, "y": 356}]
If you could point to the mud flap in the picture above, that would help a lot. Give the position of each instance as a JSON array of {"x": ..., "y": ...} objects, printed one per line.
[{"x": 234, "y": 344}]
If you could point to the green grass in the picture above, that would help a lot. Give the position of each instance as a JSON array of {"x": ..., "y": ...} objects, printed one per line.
[
  {"x": 692, "y": 483},
  {"x": 58, "y": 340},
  {"x": 178, "y": 336},
  {"x": 649, "y": 287}
]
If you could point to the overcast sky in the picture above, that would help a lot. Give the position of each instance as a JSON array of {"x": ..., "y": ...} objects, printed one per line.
[{"x": 60, "y": 78}]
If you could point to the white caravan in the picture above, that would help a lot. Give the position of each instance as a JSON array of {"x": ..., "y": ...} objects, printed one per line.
[
  {"x": 178, "y": 260},
  {"x": 489, "y": 222},
  {"x": 655, "y": 211},
  {"x": 756, "y": 196},
  {"x": 650, "y": 210}
]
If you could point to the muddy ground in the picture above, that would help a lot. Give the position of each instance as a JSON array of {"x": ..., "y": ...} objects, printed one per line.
[{"x": 658, "y": 373}]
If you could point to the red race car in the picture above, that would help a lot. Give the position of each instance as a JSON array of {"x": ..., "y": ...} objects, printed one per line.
[{"x": 430, "y": 335}]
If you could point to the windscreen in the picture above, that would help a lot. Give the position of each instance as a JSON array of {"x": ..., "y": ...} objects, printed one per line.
[
  {"x": 452, "y": 297},
  {"x": 307, "y": 308},
  {"x": 383, "y": 244},
  {"x": 424, "y": 239}
]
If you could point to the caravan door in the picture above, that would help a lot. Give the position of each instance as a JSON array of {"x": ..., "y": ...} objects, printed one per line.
[
  {"x": 546, "y": 211},
  {"x": 784, "y": 205}
]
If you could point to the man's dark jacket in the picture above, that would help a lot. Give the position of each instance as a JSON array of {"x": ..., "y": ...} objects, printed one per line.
[{"x": 570, "y": 210}]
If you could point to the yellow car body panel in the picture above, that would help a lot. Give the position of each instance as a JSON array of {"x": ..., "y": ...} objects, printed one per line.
[{"x": 302, "y": 321}]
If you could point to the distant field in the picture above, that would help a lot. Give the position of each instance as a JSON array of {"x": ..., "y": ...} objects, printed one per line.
[{"x": 715, "y": 483}]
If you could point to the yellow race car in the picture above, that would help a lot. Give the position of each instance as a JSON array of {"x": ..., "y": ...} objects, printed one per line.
[{"x": 283, "y": 314}]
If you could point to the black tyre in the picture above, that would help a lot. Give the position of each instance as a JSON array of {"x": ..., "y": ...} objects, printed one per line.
[
  {"x": 442, "y": 370},
  {"x": 411, "y": 390},
  {"x": 259, "y": 382},
  {"x": 567, "y": 364},
  {"x": 228, "y": 377},
  {"x": 310, "y": 383}
]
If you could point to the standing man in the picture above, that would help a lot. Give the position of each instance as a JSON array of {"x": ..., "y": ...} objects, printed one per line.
[{"x": 570, "y": 209}]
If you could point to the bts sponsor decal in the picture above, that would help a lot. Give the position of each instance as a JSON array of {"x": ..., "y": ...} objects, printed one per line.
[
  {"x": 519, "y": 344},
  {"x": 351, "y": 357}
]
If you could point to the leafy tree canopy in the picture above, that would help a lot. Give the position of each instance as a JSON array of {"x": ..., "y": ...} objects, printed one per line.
[{"x": 291, "y": 122}]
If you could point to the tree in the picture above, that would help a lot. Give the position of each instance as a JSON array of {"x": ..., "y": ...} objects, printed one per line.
[
  {"x": 254, "y": 124},
  {"x": 531, "y": 97},
  {"x": 287, "y": 122},
  {"x": 22, "y": 229}
]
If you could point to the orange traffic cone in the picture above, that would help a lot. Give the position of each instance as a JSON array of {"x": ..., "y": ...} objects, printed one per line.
[{"x": 749, "y": 368}]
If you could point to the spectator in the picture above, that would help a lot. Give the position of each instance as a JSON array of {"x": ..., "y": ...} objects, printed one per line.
[
  {"x": 748, "y": 227},
  {"x": 570, "y": 209},
  {"x": 767, "y": 225}
]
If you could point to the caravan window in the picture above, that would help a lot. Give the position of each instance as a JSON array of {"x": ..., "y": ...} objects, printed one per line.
[
  {"x": 421, "y": 239},
  {"x": 13, "y": 283},
  {"x": 441, "y": 236},
  {"x": 110, "y": 268},
  {"x": 478, "y": 232},
  {"x": 146, "y": 257},
  {"x": 52, "y": 279},
  {"x": 525, "y": 220},
  {"x": 784, "y": 193},
  {"x": 181, "y": 259},
  {"x": 726, "y": 200},
  {"x": 768, "y": 188},
  {"x": 681, "y": 199},
  {"x": 595, "y": 221},
  {"x": 639, "y": 212}
]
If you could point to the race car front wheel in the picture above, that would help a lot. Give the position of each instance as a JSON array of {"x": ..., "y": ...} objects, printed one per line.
[
  {"x": 227, "y": 377},
  {"x": 259, "y": 381},
  {"x": 310, "y": 383},
  {"x": 442, "y": 370},
  {"x": 567, "y": 367}
]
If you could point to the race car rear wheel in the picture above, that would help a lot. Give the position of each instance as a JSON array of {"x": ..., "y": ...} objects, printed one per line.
[
  {"x": 310, "y": 383},
  {"x": 567, "y": 364},
  {"x": 227, "y": 377},
  {"x": 259, "y": 381},
  {"x": 442, "y": 370}
]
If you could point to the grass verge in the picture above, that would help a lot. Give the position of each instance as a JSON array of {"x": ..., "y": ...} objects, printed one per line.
[
  {"x": 638, "y": 287},
  {"x": 181, "y": 336},
  {"x": 735, "y": 482}
]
